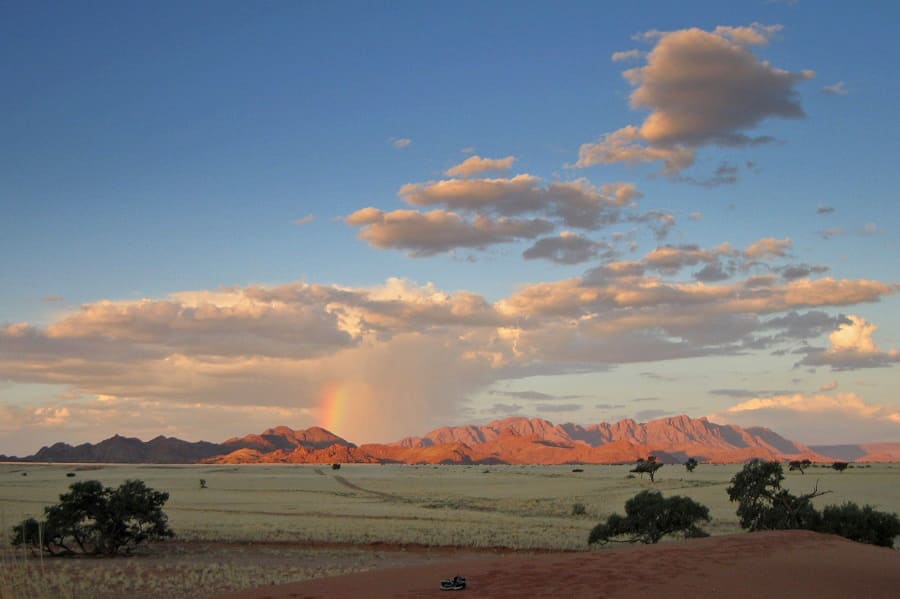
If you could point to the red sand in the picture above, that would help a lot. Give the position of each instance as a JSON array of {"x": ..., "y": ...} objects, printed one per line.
[{"x": 765, "y": 564}]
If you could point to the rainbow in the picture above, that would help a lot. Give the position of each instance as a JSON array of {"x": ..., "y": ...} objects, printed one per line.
[{"x": 333, "y": 406}]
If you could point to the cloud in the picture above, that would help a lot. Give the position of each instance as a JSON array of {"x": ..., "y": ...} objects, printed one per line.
[
  {"x": 832, "y": 232},
  {"x": 305, "y": 220},
  {"x": 533, "y": 395},
  {"x": 627, "y": 55},
  {"x": 830, "y": 386},
  {"x": 558, "y": 408},
  {"x": 567, "y": 248},
  {"x": 725, "y": 174},
  {"x": 576, "y": 203},
  {"x": 743, "y": 393},
  {"x": 836, "y": 89},
  {"x": 436, "y": 231},
  {"x": 800, "y": 271},
  {"x": 695, "y": 216},
  {"x": 852, "y": 347},
  {"x": 52, "y": 298},
  {"x": 416, "y": 349},
  {"x": 653, "y": 414},
  {"x": 400, "y": 142},
  {"x": 769, "y": 247},
  {"x": 504, "y": 408},
  {"x": 475, "y": 165},
  {"x": 818, "y": 418},
  {"x": 701, "y": 88},
  {"x": 476, "y": 213},
  {"x": 824, "y": 209}
]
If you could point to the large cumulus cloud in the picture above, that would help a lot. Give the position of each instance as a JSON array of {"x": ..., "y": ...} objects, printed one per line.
[{"x": 701, "y": 88}]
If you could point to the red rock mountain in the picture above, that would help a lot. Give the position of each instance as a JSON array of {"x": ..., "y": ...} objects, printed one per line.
[{"x": 516, "y": 440}]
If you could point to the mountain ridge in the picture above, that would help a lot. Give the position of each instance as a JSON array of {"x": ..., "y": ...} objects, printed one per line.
[{"x": 513, "y": 440}]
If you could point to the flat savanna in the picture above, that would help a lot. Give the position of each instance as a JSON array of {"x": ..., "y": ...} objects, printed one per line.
[{"x": 263, "y": 524}]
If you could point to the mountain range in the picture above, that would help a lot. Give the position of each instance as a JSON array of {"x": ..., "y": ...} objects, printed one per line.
[{"x": 516, "y": 440}]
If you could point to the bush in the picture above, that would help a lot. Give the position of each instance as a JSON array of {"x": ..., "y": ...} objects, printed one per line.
[
  {"x": 649, "y": 517},
  {"x": 764, "y": 505},
  {"x": 862, "y": 524},
  {"x": 690, "y": 464},
  {"x": 578, "y": 509},
  {"x": 840, "y": 466},
  {"x": 94, "y": 520}
]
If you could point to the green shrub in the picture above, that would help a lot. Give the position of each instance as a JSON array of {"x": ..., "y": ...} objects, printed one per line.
[
  {"x": 93, "y": 520},
  {"x": 579, "y": 509},
  {"x": 649, "y": 517},
  {"x": 862, "y": 524}
]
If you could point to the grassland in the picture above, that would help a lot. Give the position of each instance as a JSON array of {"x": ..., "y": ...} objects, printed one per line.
[{"x": 269, "y": 523}]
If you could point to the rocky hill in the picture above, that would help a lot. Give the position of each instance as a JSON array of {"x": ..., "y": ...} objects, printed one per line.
[{"x": 516, "y": 440}]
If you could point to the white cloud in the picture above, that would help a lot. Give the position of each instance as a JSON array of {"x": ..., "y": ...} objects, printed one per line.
[
  {"x": 827, "y": 418},
  {"x": 400, "y": 142},
  {"x": 837, "y": 89},
  {"x": 852, "y": 347}
]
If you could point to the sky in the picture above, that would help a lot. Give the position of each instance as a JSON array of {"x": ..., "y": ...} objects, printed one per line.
[{"x": 384, "y": 217}]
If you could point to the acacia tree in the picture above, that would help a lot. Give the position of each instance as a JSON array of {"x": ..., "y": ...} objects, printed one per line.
[
  {"x": 840, "y": 466},
  {"x": 91, "y": 519},
  {"x": 690, "y": 464},
  {"x": 649, "y": 517},
  {"x": 650, "y": 466},
  {"x": 764, "y": 505},
  {"x": 800, "y": 465}
]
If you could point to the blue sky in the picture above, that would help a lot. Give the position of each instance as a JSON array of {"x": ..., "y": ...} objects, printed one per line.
[{"x": 153, "y": 150}]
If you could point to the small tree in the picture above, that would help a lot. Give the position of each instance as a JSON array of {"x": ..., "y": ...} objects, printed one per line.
[
  {"x": 93, "y": 520},
  {"x": 764, "y": 505},
  {"x": 649, "y": 517},
  {"x": 650, "y": 466},
  {"x": 800, "y": 465},
  {"x": 203, "y": 483},
  {"x": 840, "y": 466},
  {"x": 690, "y": 464}
]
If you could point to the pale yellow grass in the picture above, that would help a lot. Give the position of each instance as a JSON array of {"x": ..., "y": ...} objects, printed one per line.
[{"x": 516, "y": 507}]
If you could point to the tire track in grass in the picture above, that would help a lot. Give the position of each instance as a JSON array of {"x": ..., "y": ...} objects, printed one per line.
[{"x": 389, "y": 496}]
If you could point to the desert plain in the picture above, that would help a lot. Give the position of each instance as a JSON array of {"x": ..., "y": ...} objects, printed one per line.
[{"x": 267, "y": 524}]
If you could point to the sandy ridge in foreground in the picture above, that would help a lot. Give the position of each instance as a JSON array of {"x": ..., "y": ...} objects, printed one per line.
[{"x": 764, "y": 564}]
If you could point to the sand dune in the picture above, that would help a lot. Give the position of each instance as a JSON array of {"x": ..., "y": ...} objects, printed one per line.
[{"x": 766, "y": 564}]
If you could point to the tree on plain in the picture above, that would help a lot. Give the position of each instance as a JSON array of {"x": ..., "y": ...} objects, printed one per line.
[{"x": 649, "y": 517}]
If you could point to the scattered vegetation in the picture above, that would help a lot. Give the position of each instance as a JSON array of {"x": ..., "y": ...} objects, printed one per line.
[
  {"x": 649, "y": 517},
  {"x": 650, "y": 466},
  {"x": 862, "y": 524},
  {"x": 800, "y": 465},
  {"x": 690, "y": 464},
  {"x": 764, "y": 505},
  {"x": 335, "y": 466},
  {"x": 94, "y": 520},
  {"x": 578, "y": 509}
]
